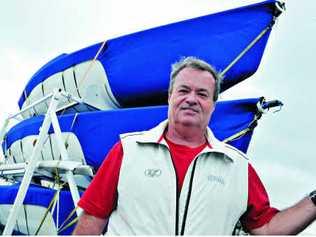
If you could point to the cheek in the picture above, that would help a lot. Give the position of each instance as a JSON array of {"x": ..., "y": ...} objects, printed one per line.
[
  {"x": 175, "y": 101},
  {"x": 172, "y": 105},
  {"x": 208, "y": 107}
]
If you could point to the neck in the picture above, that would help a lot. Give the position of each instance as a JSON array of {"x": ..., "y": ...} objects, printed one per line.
[{"x": 186, "y": 135}]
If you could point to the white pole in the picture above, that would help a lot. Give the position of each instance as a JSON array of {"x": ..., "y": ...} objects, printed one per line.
[
  {"x": 32, "y": 105},
  {"x": 64, "y": 155},
  {"x": 30, "y": 167},
  {"x": 2, "y": 134},
  {"x": 3, "y": 129}
]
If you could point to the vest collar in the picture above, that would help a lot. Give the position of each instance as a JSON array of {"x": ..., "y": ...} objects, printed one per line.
[{"x": 155, "y": 134}]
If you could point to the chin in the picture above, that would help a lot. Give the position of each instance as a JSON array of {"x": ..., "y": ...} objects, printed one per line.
[{"x": 190, "y": 122}]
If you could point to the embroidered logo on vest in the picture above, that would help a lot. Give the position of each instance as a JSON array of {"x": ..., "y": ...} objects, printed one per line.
[
  {"x": 152, "y": 173},
  {"x": 214, "y": 178}
]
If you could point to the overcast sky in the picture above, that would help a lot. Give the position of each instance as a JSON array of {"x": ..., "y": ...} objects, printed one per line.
[{"x": 35, "y": 31}]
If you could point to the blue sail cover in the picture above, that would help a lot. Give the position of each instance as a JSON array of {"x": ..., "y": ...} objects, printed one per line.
[
  {"x": 40, "y": 196},
  {"x": 98, "y": 131},
  {"x": 138, "y": 65}
]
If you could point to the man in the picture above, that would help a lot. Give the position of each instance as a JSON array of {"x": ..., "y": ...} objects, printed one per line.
[{"x": 177, "y": 178}]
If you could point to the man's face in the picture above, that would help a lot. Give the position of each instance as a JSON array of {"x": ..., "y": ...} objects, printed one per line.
[{"x": 191, "y": 100}]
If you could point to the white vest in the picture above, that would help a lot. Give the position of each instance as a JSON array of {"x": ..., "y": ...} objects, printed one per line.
[{"x": 147, "y": 189}]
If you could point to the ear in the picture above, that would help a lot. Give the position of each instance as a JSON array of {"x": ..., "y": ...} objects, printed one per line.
[
  {"x": 214, "y": 105},
  {"x": 169, "y": 95}
]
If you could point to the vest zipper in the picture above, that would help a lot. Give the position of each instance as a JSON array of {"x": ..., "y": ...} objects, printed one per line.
[
  {"x": 188, "y": 198},
  {"x": 177, "y": 197},
  {"x": 177, "y": 209}
]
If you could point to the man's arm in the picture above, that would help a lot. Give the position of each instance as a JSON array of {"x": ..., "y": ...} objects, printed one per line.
[
  {"x": 100, "y": 197},
  {"x": 89, "y": 225},
  {"x": 289, "y": 221}
]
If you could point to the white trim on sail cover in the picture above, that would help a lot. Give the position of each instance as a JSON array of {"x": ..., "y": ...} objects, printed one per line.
[
  {"x": 21, "y": 150},
  {"x": 29, "y": 218},
  {"x": 94, "y": 90}
]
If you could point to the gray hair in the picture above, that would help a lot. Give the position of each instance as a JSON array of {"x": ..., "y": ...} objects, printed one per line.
[{"x": 195, "y": 63}]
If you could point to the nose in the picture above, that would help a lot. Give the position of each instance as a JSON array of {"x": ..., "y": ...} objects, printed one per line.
[{"x": 191, "y": 99}]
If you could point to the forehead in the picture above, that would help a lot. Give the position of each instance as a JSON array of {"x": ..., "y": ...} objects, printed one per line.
[{"x": 193, "y": 76}]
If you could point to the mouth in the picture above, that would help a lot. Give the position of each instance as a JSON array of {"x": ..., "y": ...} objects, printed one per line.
[{"x": 190, "y": 109}]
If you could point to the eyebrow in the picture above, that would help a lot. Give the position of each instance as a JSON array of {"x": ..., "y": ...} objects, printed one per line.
[
  {"x": 184, "y": 86},
  {"x": 189, "y": 88}
]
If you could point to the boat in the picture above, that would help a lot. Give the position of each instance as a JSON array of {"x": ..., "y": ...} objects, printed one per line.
[
  {"x": 118, "y": 82},
  {"x": 88, "y": 137},
  {"x": 73, "y": 110},
  {"x": 43, "y": 211}
]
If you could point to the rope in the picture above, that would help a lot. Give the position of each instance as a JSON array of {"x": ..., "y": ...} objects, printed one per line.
[
  {"x": 237, "y": 135},
  {"x": 92, "y": 63},
  {"x": 54, "y": 199},
  {"x": 70, "y": 224},
  {"x": 57, "y": 211},
  {"x": 243, "y": 132},
  {"x": 252, "y": 43},
  {"x": 62, "y": 227},
  {"x": 59, "y": 186}
]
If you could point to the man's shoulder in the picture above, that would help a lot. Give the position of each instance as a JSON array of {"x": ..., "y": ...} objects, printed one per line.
[
  {"x": 147, "y": 136},
  {"x": 233, "y": 151},
  {"x": 131, "y": 135},
  {"x": 136, "y": 137}
]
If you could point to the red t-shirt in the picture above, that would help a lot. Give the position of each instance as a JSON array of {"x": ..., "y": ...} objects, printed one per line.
[
  {"x": 182, "y": 156},
  {"x": 100, "y": 198}
]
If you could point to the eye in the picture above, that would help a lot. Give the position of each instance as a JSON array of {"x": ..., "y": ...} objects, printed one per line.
[
  {"x": 203, "y": 95},
  {"x": 183, "y": 91}
]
